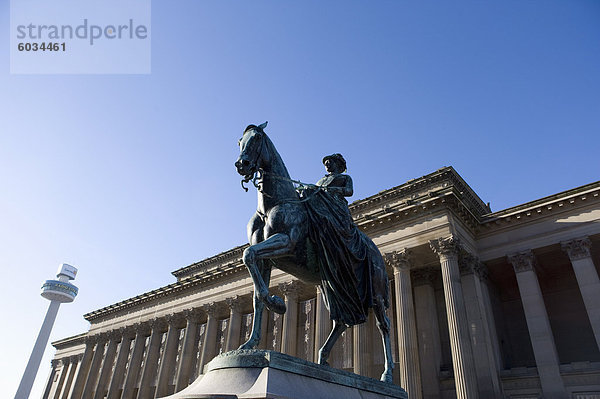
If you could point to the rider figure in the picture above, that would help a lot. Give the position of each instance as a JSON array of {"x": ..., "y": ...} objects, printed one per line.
[{"x": 338, "y": 184}]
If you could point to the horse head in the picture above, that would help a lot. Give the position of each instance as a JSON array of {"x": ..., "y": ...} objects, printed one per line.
[{"x": 251, "y": 150}]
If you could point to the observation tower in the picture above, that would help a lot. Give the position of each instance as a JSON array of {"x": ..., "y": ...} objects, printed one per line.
[{"x": 57, "y": 292}]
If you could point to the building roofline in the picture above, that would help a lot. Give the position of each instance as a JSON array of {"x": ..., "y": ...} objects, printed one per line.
[
  {"x": 545, "y": 202},
  {"x": 69, "y": 341},
  {"x": 458, "y": 194}
]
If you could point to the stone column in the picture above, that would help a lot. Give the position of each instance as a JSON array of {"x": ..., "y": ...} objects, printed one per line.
[
  {"x": 428, "y": 331},
  {"x": 360, "y": 338},
  {"x": 462, "y": 356},
  {"x": 151, "y": 360},
  {"x": 169, "y": 356},
  {"x": 322, "y": 324},
  {"x": 119, "y": 370},
  {"x": 488, "y": 380},
  {"x": 587, "y": 278},
  {"x": 92, "y": 378},
  {"x": 50, "y": 381},
  {"x": 540, "y": 331},
  {"x": 408, "y": 352},
  {"x": 235, "y": 323},
  {"x": 290, "y": 318},
  {"x": 73, "y": 365},
  {"x": 210, "y": 337},
  {"x": 84, "y": 367},
  {"x": 107, "y": 364},
  {"x": 491, "y": 322},
  {"x": 65, "y": 363},
  {"x": 135, "y": 361},
  {"x": 188, "y": 349}
]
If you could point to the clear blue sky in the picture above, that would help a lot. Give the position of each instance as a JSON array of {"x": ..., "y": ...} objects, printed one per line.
[{"x": 129, "y": 177}]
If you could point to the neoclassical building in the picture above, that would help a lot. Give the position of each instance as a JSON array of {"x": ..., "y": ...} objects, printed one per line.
[{"x": 484, "y": 305}]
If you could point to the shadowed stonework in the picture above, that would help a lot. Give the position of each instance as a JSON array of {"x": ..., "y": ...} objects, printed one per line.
[{"x": 258, "y": 374}]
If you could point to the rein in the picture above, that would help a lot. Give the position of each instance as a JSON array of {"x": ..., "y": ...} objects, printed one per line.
[{"x": 260, "y": 173}]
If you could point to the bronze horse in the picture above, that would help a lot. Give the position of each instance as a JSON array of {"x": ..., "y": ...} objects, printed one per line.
[{"x": 278, "y": 234}]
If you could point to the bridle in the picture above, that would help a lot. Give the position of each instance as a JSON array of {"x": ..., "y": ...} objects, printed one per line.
[{"x": 260, "y": 173}]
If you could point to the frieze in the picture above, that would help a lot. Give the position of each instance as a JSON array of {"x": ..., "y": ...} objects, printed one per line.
[{"x": 577, "y": 249}]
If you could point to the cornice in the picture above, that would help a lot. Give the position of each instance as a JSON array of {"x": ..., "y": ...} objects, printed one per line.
[
  {"x": 443, "y": 201},
  {"x": 543, "y": 207},
  {"x": 231, "y": 256},
  {"x": 408, "y": 192},
  {"x": 209, "y": 276},
  {"x": 70, "y": 341}
]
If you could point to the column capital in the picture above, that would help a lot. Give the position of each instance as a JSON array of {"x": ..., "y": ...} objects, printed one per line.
[
  {"x": 424, "y": 276},
  {"x": 578, "y": 248},
  {"x": 468, "y": 264},
  {"x": 141, "y": 328},
  {"x": 102, "y": 337},
  {"x": 234, "y": 303},
  {"x": 75, "y": 358},
  {"x": 54, "y": 363},
  {"x": 192, "y": 314},
  {"x": 290, "y": 288},
  {"x": 446, "y": 246},
  {"x": 399, "y": 259},
  {"x": 211, "y": 309},
  {"x": 115, "y": 335},
  {"x": 157, "y": 323},
  {"x": 173, "y": 319},
  {"x": 483, "y": 272},
  {"x": 128, "y": 331},
  {"x": 522, "y": 261},
  {"x": 91, "y": 339}
]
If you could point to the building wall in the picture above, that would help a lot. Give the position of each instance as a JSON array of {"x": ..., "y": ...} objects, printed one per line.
[{"x": 489, "y": 304}]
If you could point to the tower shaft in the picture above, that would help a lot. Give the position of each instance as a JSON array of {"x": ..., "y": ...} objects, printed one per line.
[{"x": 38, "y": 351}]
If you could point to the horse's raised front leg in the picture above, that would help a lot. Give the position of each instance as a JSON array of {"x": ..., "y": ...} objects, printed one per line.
[
  {"x": 259, "y": 306},
  {"x": 383, "y": 324},
  {"x": 336, "y": 332},
  {"x": 276, "y": 245}
]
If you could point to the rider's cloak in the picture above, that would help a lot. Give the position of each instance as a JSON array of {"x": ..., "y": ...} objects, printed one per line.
[{"x": 344, "y": 254}]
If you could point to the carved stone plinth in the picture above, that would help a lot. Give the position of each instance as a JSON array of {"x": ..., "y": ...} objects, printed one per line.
[{"x": 260, "y": 374}]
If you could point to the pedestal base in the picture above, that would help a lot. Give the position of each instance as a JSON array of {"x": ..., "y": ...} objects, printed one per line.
[{"x": 261, "y": 374}]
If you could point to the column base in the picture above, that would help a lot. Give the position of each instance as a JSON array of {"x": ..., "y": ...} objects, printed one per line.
[{"x": 263, "y": 374}]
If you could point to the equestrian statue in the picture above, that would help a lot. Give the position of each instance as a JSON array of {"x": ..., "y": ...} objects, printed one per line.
[{"x": 309, "y": 233}]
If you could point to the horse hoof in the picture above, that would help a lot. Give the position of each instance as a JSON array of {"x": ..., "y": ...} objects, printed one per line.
[{"x": 275, "y": 304}]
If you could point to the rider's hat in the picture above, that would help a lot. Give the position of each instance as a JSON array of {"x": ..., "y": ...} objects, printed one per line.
[{"x": 338, "y": 158}]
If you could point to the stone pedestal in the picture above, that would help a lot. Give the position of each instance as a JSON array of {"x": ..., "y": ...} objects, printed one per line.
[{"x": 260, "y": 374}]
